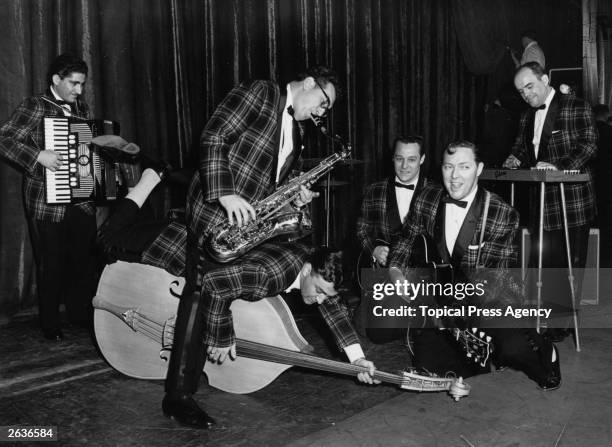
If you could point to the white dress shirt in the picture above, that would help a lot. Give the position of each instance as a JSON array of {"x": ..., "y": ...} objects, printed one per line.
[
  {"x": 538, "y": 124},
  {"x": 404, "y": 197},
  {"x": 453, "y": 220}
]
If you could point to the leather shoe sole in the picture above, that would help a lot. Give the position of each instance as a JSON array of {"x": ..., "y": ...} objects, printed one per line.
[
  {"x": 185, "y": 411},
  {"x": 553, "y": 379}
]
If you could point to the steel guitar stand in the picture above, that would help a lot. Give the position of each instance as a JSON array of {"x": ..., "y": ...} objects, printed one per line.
[{"x": 544, "y": 176}]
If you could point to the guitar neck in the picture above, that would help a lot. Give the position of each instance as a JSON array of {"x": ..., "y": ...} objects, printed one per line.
[{"x": 279, "y": 355}]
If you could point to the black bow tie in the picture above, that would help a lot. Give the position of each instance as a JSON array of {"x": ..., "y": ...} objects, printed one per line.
[
  {"x": 290, "y": 110},
  {"x": 460, "y": 203},
  {"x": 401, "y": 185},
  {"x": 542, "y": 107}
]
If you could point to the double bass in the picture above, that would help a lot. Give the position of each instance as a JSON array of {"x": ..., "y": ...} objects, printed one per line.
[{"x": 134, "y": 314}]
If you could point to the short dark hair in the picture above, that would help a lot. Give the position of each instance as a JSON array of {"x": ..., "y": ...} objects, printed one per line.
[
  {"x": 409, "y": 139},
  {"x": 64, "y": 65},
  {"x": 327, "y": 262},
  {"x": 529, "y": 33},
  {"x": 452, "y": 147},
  {"x": 535, "y": 68},
  {"x": 323, "y": 75}
]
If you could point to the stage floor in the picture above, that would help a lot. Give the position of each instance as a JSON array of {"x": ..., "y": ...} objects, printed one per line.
[{"x": 68, "y": 385}]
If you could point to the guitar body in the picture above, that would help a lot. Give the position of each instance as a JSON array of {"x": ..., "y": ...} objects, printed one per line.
[
  {"x": 135, "y": 308},
  {"x": 366, "y": 261},
  {"x": 427, "y": 266}
]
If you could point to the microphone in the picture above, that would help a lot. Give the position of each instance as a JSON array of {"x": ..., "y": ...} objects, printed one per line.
[{"x": 318, "y": 122}]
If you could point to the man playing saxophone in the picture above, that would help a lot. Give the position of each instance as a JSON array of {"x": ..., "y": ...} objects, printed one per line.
[{"x": 247, "y": 147}]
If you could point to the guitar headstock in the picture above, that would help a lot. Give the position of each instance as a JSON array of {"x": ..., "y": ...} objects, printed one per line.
[{"x": 476, "y": 344}]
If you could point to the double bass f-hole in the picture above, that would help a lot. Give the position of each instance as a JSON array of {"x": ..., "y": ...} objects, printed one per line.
[{"x": 176, "y": 288}]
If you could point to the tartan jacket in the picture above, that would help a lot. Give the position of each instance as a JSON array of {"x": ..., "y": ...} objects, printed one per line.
[
  {"x": 568, "y": 141},
  {"x": 168, "y": 250},
  {"x": 238, "y": 151},
  {"x": 265, "y": 271},
  {"x": 379, "y": 218},
  {"x": 499, "y": 250},
  {"x": 22, "y": 138}
]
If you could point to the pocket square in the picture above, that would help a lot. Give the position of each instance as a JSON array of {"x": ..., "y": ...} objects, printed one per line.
[
  {"x": 555, "y": 131},
  {"x": 475, "y": 247}
]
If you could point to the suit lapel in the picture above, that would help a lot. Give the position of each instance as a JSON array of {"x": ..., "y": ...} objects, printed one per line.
[
  {"x": 392, "y": 211},
  {"x": 547, "y": 128},
  {"x": 529, "y": 135},
  {"x": 439, "y": 233},
  {"x": 468, "y": 229}
]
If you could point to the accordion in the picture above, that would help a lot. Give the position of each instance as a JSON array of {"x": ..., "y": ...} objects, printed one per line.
[{"x": 85, "y": 173}]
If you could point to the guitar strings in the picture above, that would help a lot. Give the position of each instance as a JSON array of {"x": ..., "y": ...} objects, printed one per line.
[{"x": 275, "y": 354}]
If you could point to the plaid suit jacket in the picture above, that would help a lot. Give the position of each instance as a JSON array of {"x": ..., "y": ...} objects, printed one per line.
[
  {"x": 498, "y": 252},
  {"x": 265, "y": 271},
  {"x": 379, "y": 218},
  {"x": 22, "y": 138},
  {"x": 568, "y": 141},
  {"x": 168, "y": 250},
  {"x": 238, "y": 150}
]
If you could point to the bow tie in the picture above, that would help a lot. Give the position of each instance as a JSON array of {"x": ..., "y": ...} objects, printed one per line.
[
  {"x": 542, "y": 107},
  {"x": 401, "y": 185},
  {"x": 62, "y": 104},
  {"x": 290, "y": 110},
  {"x": 459, "y": 203}
]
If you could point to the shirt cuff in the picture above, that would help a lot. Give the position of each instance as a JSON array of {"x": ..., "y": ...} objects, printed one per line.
[{"x": 354, "y": 352}]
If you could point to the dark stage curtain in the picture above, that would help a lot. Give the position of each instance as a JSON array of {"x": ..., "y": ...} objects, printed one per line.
[{"x": 159, "y": 67}]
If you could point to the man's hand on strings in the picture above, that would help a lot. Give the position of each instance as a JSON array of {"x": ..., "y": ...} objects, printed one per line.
[
  {"x": 511, "y": 162},
  {"x": 366, "y": 376},
  {"x": 380, "y": 253},
  {"x": 218, "y": 355}
]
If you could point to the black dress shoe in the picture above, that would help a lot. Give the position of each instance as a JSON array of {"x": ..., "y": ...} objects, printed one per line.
[
  {"x": 552, "y": 380},
  {"x": 557, "y": 335},
  {"x": 161, "y": 168},
  {"x": 53, "y": 334},
  {"x": 184, "y": 410}
]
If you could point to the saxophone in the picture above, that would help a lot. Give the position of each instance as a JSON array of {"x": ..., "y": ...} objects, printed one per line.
[{"x": 274, "y": 216}]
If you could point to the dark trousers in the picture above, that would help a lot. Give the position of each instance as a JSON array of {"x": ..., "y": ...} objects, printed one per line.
[
  {"x": 556, "y": 289},
  {"x": 65, "y": 254},
  {"x": 188, "y": 351},
  {"x": 525, "y": 350},
  {"x": 129, "y": 231}
]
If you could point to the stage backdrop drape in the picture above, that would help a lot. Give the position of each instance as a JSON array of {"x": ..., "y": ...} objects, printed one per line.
[{"x": 160, "y": 67}]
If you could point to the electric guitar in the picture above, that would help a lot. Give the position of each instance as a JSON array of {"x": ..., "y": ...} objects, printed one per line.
[{"x": 428, "y": 267}]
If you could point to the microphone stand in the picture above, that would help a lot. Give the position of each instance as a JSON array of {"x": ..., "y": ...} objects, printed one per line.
[{"x": 335, "y": 138}]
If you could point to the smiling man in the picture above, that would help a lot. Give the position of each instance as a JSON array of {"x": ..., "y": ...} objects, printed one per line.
[
  {"x": 558, "y": 132},
  {"x": 452, "y": 217},
  {"x": 247, "y": 148},
  {"x": 267, "y": 270},
  {"x": 386, "y": 203},
  {"x": 63, "y": 236}
]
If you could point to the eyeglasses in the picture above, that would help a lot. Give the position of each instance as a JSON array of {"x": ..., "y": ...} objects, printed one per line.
[{"x": 326, "y": 105}]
